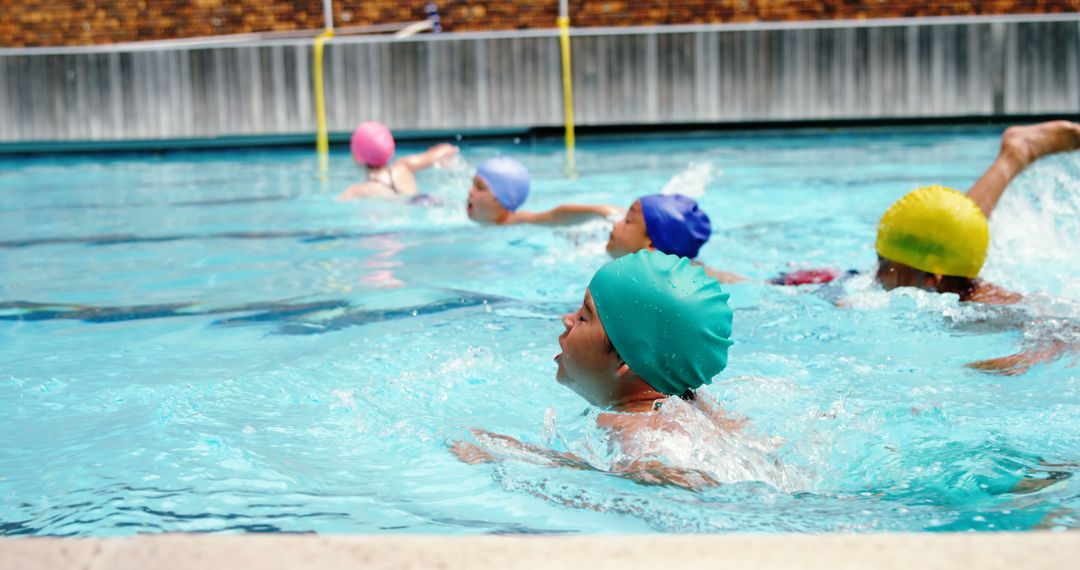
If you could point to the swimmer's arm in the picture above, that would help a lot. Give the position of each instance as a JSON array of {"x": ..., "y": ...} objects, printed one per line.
[
  {"x": 500, "y": 447},
  {"x": 430, "y": 157},
  {"x": 721, "y": 276},
  {"x": 1019, "y": 363},
  {"x": 564, "y": 215},
  {"x": 990, "y": 294},
  {"x": 653, "y": 472},
  {"x": 649, "y": 472}
]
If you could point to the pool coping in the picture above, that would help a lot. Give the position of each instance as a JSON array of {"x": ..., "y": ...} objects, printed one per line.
[
  {"x": 537, "y": 133},
  {"x": 925, "y": 551}
]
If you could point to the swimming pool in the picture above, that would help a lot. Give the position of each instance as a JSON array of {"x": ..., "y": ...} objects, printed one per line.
[{"x": 208, "y": 342}]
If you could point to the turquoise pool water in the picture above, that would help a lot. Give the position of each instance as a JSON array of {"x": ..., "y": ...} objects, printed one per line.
[{"x": 209, "y": 342}]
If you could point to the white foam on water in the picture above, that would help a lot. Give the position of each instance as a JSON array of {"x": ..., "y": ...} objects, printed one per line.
[
  {"x": 1035, "y": 230},
  {"x": 692, "y": 181}
]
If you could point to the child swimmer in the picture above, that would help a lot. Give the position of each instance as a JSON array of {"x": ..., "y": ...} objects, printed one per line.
[
  {"x": 672, "y": 224},
  {"x": 501, "y": 186},
  {"x": 651, "y": 330},
  {"x": 373, "y": 146},
  {"x": 936, "y": 238}
]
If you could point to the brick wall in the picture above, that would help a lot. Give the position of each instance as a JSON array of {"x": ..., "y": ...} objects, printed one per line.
[{"x": 74, "y": 22}]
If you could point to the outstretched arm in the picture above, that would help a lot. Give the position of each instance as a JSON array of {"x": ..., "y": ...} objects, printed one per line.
[
  {"x": 1019, "y": 363},
  {"x": 430, "y": 157},
  {"x": 565, "y": 215},
  {"x": 721, "y": 276},
  {"x": 1020, "y": 147},
  {"x": 644, "y": 472},
  {"x": 500, "y": 447}
]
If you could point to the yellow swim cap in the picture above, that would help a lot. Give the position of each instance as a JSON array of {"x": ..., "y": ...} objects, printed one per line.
[{"x": 935, "y": 229}]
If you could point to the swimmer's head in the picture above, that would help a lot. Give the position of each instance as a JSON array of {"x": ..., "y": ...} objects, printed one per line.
[
  {"x": 669, "y": 223},
  {"x": 482, "y": 206},
  {"x": 932, "y": 231},
  {"x": 506, "y": 179},
  {"x": 649, "y": 321},
  {"x": 372, "y": 144},
  {"x": 630, "y": 234}
]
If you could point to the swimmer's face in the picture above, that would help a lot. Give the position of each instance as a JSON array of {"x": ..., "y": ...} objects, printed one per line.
[
  {"x": 483, "y": 207},
  {"x": 629, "y": 234},
  {"x": 892, "y": 275},
  {"x": 588, "y": 364}
]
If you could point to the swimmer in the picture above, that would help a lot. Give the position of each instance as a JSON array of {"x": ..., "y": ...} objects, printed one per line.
[
  {"x": 936, "y": 239},
  {"x": 501, "y": 186},
  {"x": 373, "y": 146},
  {"x": 652, "y": 329},
  {"x": 672, "y": 224}
]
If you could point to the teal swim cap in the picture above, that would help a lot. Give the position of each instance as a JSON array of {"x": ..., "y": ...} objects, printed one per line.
[{"x": 668, "y": 320}]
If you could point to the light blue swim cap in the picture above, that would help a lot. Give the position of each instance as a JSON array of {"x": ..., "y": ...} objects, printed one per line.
[
  {"x": 508, "y": 179},
  {"x": 667, "y": 319}
]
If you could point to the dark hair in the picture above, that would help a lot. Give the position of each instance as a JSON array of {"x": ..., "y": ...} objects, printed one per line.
[{"x": 962, "y": 286}]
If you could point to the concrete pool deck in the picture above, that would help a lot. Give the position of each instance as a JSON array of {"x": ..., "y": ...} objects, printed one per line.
[{"x": 1032, "y": 550}]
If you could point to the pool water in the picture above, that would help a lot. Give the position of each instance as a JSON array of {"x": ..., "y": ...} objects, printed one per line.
[{"x": 207, "y": 341}]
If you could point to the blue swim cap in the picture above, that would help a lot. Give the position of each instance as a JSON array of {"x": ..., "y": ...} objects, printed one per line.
[
  {"x": 675, "y": 224},
  {"x": 508, "y": 180}
]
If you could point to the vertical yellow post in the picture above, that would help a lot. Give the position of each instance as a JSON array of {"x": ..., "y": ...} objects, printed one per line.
[
  {"x": 322, "y": 141},
  {"x": 567, "y": 79}
]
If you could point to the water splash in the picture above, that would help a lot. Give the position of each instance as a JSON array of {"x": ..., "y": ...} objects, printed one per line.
[
  {"x": 1037, "y": 224},
  {"x": 692, "y": 181}
]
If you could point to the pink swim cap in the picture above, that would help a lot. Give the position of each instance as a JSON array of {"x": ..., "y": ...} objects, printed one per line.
[{"x": 372, "y": 144}]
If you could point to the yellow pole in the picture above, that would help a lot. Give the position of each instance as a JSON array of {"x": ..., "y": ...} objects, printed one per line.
[
  {"x": 322, "y": 141},
  {"x": 568, "y": 90}
]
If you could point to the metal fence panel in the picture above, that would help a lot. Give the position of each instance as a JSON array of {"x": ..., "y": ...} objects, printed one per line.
[{"x": 657, "y": 76}]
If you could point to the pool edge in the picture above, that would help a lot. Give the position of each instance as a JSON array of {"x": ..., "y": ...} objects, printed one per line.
[{"x": 987, "y": 551}]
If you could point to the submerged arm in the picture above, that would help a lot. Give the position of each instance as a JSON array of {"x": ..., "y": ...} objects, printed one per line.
[
  {"x": 1021, "y": 362},
  {"x": 653, "y": 472},
  {"x": 644, "y": 472},
  {"x": 500, "y": 447}
]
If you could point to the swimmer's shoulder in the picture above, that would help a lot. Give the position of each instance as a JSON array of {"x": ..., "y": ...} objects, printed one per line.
[
  {"x": 366, "y": 189},
  {"x": 991, "y": 294}
]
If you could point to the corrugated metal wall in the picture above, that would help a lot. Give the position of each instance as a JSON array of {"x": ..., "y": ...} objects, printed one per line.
[{"x": 493, "y": 81}]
